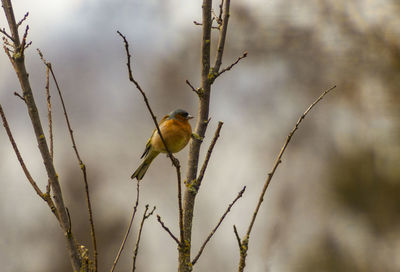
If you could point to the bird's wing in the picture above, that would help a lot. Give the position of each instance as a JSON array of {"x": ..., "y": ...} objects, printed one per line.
[{"x": 148, "y": 144}]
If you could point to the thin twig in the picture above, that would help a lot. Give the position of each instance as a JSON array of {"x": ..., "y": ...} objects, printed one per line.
[
  {"x": 23, "y": 19},
  {"x": 167, "y": 230},
  {"x": 209, "y": 152},
  {"x": 128, "y": 229},
  {"x": 21, "y": 161},
  {"x": 199, "y": 24},
  {"x": 231, "y": 66},
  {"x": 23, "y": 43},
  {"x": 81, "y": 164},
  {"x": 69, "y": 229},
  {"x": 240, "y": 194},
  {"x": 46, "y": 197},
  {"x": 193, "y": 88},
  {"x": 145, "y": 216},
  {"x": 219, "y": 20},
  {"x": 8, "y": 47},
  {"x": 19, "y": 96},
  {"x": 245, "y": 240},
  {"x": 222, "y": 38},
  {"x": 49, "y": 116},
  {"x": 4, "y": 32},
  {"x": 180, "y": 208},
  {"x": 237, "y": 236}
]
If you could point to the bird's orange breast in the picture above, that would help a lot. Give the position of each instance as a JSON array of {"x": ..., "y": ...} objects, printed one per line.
[{"x": 176, "y": 134}]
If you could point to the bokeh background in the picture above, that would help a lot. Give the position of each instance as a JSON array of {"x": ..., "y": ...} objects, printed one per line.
[{"x": 334, "y": 203}]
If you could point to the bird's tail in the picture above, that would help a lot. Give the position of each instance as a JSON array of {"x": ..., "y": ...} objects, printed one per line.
[{"x": 142, "y": 169}]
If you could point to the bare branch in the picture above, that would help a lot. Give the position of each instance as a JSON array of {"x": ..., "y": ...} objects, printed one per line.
[
  {"x": 240, "y": 194},
  {"x": 23, "y": 19},
  {"x": 185, "y": 263},
  {"x": 23, "y": 43},
  {"x": 7, "y": 49},
  {"x": 219, "y": 20},
  {"x": 237, "y": 236},
  {"x": 231, "y": 66},
  {"x": 46, "y": 197},
  {"x": 209, "y": 152},
  {"x": 180, "y": 208},
  {"x": 19, "y": 96},
  {"x": 145, "y": 216},
  {"x": 193, "y": 88},
  {"x": 16, "y": 150},
  {"x": 74, "y": 146},
  {"x": 199, "y": 24},
  {"x": 128, "y": 229},
  {"x": 245, "y": 240},
  {"x": 49, "y": 116},
  {"x": 4, "y": 32},
  {"x": 167, "y": 230},
  {"x": 222, "y": 38}
]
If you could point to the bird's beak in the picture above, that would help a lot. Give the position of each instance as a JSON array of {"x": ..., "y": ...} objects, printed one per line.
[{"x": 189, "y": 117}]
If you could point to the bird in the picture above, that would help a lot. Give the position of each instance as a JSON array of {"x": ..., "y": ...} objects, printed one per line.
[{"x": 176, "y": 131}]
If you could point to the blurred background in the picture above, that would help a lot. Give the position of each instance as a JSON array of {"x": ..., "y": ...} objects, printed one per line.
[{"x": 334, "y": 202}]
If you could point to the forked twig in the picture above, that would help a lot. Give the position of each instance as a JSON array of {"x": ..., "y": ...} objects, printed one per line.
[
  {"x": 145, "y": 216},
  {"x": 244, "y": 242},
  {"x": 128, "y": 229},
  {"x": 240, "y": 194}
]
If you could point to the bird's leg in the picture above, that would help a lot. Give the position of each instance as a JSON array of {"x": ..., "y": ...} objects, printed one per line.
[{"x": 175, "y": 161}]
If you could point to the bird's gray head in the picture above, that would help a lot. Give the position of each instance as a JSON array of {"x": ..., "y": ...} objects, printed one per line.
[{"x": 180, "y": 113}]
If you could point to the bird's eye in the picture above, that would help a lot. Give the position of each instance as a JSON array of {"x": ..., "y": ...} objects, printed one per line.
[{"x": 185, "y": 114}]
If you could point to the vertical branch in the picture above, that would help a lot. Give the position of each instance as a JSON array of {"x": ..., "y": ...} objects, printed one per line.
[
  {"x": 200, "y": 129},
  {"x": 207, "y": 78},
  {"x": 19, "y": 67}
]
